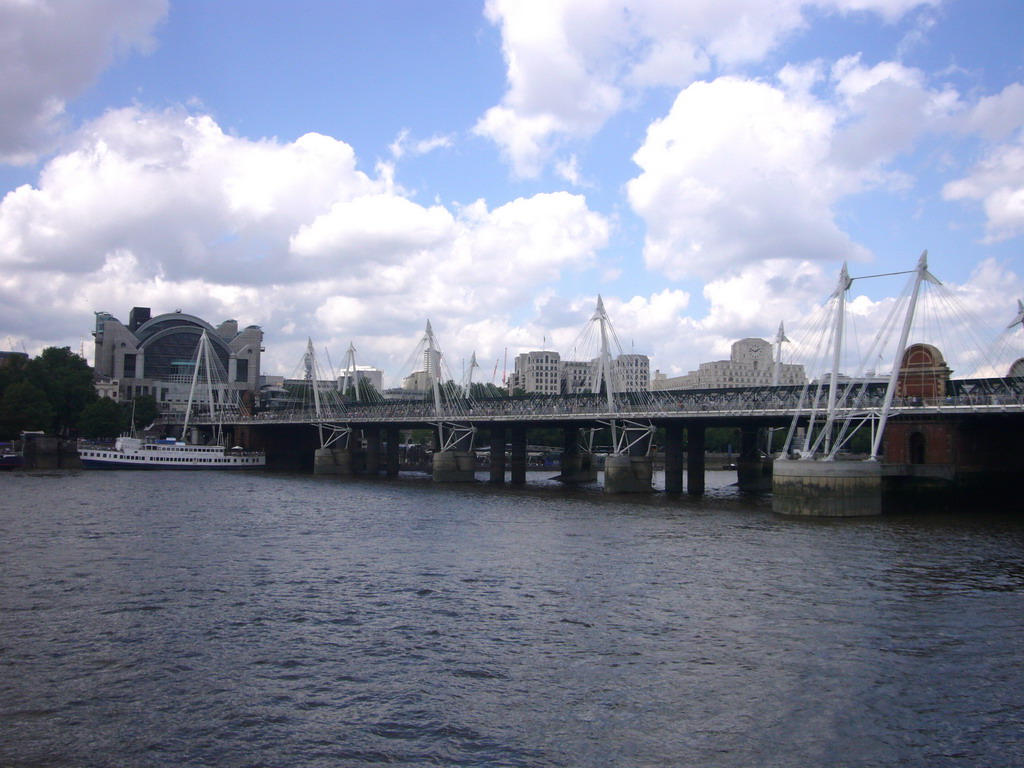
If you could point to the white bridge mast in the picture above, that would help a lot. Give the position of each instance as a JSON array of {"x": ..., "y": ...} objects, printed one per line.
[
  {"x": 922, "y": 274},
  {"x": 628, "y": 433},
  {"x": 202, "y": 361}
]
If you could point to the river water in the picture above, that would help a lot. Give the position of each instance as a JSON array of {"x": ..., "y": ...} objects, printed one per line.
[{"x": 221, "y": 619}]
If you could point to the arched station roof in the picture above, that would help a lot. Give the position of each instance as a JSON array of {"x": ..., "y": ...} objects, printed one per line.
[{"x": 170, "y": 342}]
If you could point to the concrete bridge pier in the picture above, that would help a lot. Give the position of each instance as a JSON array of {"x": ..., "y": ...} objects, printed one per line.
[
  {"x": 456, "y": 465},
  {"x": 393, "y": 436},
  {"x": 498, "y": 453},
  {"x": 323, "y": 462},
  {"x": 517, "y": 438},
  {"x": 332, "y": 461},
  {"x": 695, "y": 460},
  {"x": 827, "y": 488},
  {"x": 630, "y": 472},
  {"x": 576, "y": 466},
  {"x": 372, "y": 437},
  {"x": 753, "y": 471},
  {"x": 674, "y": 459}
]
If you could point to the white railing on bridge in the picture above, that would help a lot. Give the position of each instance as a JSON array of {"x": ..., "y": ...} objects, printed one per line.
[{"x": 766, "y": 403}]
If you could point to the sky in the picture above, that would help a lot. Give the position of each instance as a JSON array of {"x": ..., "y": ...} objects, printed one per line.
[{"x": 346, "y": 171}]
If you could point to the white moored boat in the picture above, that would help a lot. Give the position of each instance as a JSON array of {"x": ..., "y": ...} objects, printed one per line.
[{"x": 133, "y": 453}]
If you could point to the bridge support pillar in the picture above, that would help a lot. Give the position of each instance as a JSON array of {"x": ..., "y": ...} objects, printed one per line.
[
  {"x": 393, "y": 436},
  {"x": 571, "y": 466},
  {"x": 372, "y": 450},
  {"x": 323, "y": 462},
  {"x": 576, "y": 467},
  {"x": 498, "y": 453},
  {"x": 518, "y": 462},
  {"x": 674, "y": 458},
  {"x": 695, "y": 460},
  {"x": 827, "y": 488},
  {"x": 628, "y": 474},
  {"x": 753, "y": 471},
  {"x": 454, "y": 466},
  {"x": 332, "y": 461}
]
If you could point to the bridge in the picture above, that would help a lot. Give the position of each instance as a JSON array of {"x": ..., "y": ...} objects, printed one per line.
[{"x": 926, "y": 429}]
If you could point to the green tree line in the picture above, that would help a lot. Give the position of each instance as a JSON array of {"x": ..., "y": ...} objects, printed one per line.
[{"x": 54, "y": 393}]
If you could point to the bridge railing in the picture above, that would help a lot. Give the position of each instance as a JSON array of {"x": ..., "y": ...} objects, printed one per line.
[{"x": 777, "y": 402}]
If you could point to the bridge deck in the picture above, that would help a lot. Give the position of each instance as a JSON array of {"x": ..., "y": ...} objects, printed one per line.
[{"x": 766, "y": 404}]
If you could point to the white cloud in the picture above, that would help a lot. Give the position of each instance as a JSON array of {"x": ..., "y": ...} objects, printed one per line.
[
  {"x": 997, "y": 178},
  {"x": 164, "y": 209},
  {"x": 998, "y": 116},
  {"x": 53, "y": 50},
  {"x": 373, "y": 229},
  {"x": 524, "y": 139},
  {"x": 887, "y": 108},
  {"x": 183, "y": 196},
  {"x": 743, "y": 170},
  {"x": 571, "y": 64},
  {"x": 736, "y": 173},
  {"x": 757, "y": 299},
  {"x": 403, "y": 145},
  {"x": 998, "y": 182},
  {"x": 569, "y": 170}
]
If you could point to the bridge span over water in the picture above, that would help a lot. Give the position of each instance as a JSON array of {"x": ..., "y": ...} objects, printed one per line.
[
  {"x": 926, "y": 429},
  {"x": 976, "y": 430}
]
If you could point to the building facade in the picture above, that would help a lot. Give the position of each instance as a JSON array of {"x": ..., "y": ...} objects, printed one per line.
[
  {"x": 632, "y": 373},
  {"x": 367, "y": 373},
  {"x": 545, "y": 373},
  {"x": 156, "y": 355},
  {"x": 751, "y": 363},
  {"x": 537, "y": 372}
]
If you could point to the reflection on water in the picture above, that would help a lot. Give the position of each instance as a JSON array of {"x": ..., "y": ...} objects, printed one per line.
[{"x": 261, "y": 619}]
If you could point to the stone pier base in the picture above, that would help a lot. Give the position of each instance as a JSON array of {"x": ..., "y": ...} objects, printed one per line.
[
  {"x": 454, "y": 466},
  {"x": 827, "y": 488},
  {"x": 332, "y": 461},
  {"x": 50, "y": 453},
  {"x": 628, "y": 474}
]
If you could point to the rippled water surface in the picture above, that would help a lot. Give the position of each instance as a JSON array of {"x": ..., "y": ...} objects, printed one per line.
[{"x": 218, "y": 619}]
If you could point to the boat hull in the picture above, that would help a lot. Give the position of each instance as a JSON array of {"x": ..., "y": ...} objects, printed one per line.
[{"x": 254, "y": 462}]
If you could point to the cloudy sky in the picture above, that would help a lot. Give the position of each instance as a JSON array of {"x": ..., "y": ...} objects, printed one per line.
[{"x": 347, "y": 170}]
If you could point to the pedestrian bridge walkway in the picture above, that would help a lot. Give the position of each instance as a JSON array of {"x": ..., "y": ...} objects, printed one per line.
[{"x": 977, "y": 396}]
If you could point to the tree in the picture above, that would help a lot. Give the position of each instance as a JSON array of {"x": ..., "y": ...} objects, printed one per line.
[
  {"x": 367, "y": 392},
  {"x": 421, "y": 436},
  {"x": 24, "y": 407},
  {"x": 145, "y": 411},
  {"x": 101, "y": 420},
  {"x": 552, "y": 437},
  {"x": 12, "y": 372},
  {"x": 481, "y": 391},
  {"x": 67, "y": 380},
  {"x": 722, "y": 439}
]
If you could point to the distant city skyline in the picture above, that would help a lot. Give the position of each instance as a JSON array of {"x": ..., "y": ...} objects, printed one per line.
[{"x": 348, "y": 171}]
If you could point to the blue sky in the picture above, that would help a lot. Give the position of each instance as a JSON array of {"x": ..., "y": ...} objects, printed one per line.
[{"x": 347, "y": 170}]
